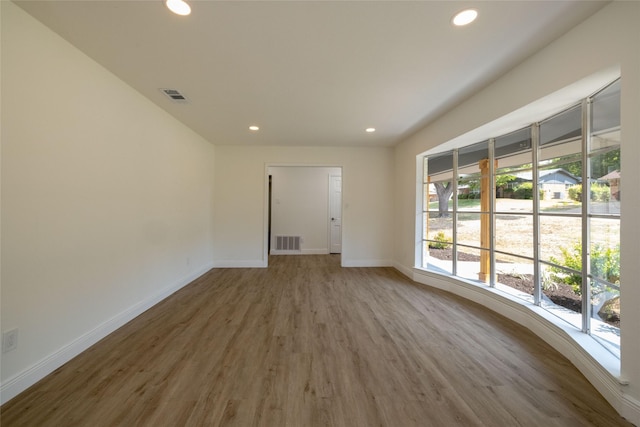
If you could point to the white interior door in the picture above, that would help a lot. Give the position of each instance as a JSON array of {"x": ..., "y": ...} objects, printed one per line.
[{"x": 335, "y": 213}]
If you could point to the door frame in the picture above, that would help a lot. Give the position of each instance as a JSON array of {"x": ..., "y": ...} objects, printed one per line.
[
  {"x": 330, "y": 221},
  {"x": 267, "y": 207}
]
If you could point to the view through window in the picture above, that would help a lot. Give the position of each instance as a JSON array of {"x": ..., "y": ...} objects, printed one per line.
[{"x": 536, "y": 213}]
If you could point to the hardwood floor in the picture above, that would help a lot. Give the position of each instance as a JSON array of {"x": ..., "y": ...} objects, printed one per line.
[{"x": 307, "y": 343}]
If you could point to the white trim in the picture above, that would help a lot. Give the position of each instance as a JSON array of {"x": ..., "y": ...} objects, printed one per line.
[
  {"x": 23, "y": 380},
  {"x": 419, "y": 208},
  {"x": 257, "y": 263},
  {"x": 598, "y": 365},
  {"x": 265, "y": 220},
  {"x": 367, "y": 263},
  {"x": 324, "y": 251},
  {"x": 285, "y": 252},
  {"x": 404, "y": 270},
  {"x": 630, "y": 409},
  {"x": 329, "y": 216}
]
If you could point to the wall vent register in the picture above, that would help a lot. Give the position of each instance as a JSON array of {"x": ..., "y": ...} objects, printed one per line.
[
  {"x": 174, "y": 95},
  {"x": 288, "y": 243}
]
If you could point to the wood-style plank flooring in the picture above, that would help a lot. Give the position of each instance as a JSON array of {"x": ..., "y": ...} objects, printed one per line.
[{"x": 307, "y": 343}]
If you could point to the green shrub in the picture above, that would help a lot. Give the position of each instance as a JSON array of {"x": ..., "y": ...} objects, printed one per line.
[
  {"x": 605, "y": 264},
  {"x": 440, "y": 241},
  {"x": 571, "y": 258},
  {"x": 575, "y": 192},
  {"x": 463, "y": 196},
  {"x": 523, "y": 191},
  {"x": 600, "y": 193}
]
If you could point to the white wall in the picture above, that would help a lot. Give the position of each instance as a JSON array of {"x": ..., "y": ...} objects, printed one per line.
[
  {"x": 241, "y": 190},
  {"x": 300, "y": 205},
  {"x": 608, "y": 40},
  {"x": 106, "y": 201}
]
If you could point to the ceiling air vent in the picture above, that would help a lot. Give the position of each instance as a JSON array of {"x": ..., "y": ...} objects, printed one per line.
[{"x": 174, "y": 95}]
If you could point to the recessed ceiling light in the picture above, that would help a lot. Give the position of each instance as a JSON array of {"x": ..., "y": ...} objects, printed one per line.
[
  {"x": 465, "y": 17},
  {"x": 370, "y": 130},
  {"x": 254, "y": 128},
  {"x": 179, "y": 7}
]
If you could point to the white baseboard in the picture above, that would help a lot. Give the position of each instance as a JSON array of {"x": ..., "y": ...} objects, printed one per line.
[
  {"x": 324, "y": 251},
  {"x": 599, "y": 366},
  {"x": 240, "y": 264},
  {"x": 630, "y": 409},
  {"x": 23, "y": 380},
  {"x": 404, "y": 270},
  {"x": 367, "y": 263}
]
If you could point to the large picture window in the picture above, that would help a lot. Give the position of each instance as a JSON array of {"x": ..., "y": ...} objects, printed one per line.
[{"x": 536, "y": 213}]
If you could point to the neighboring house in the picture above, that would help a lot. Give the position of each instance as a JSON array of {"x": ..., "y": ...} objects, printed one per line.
[
  {"x": 554, "y": 182},
  {"x": 613, "y": 179}
]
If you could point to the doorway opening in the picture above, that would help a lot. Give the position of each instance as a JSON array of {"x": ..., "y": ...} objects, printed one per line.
[{"x": 303, "y": 210}]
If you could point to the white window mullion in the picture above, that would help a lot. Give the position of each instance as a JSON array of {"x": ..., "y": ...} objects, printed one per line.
[
  {"x": 537, "y": 271},
  {"x": 454, "y": 219},
  {"x": 492, "y": 220},
  {"x": 586, "y": 204}
]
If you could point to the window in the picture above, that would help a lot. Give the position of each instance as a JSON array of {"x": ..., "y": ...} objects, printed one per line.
[
  {"x": 473, "y": 213},
  {"x": 536, "y": 213},
  {"x": 437, "y": 213},
  {"x": 560, "y": 215},
  {"x": 514, "y": 244},
  {"x": 603, "y": 215}
]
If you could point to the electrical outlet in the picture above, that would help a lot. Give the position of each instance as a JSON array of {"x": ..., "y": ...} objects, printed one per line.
[{"x": 9, "y": 340}]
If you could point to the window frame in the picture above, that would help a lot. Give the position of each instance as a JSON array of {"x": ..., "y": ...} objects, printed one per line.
[{"x": 584, "y": 108}]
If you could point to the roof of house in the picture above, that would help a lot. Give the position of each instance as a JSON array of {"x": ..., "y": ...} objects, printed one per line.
[
  {"x": 610, "y": 176},
  {"x": 527, "y": 176}
]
